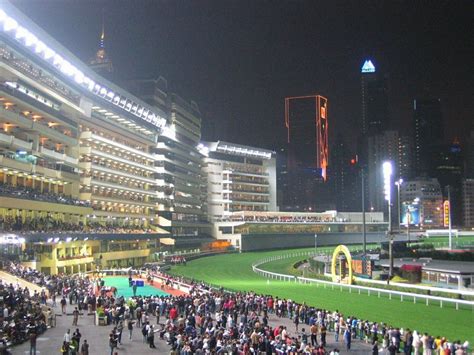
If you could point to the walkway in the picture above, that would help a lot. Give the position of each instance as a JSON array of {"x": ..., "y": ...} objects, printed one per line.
[{"x": 97, "y": 336}]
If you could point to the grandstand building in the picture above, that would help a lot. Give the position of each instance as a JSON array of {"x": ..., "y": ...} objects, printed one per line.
[
  {"x": 90, "y": 175},
  {"x": 255, "y": 230},
  {"x": 239, "y": 178},
  {"x": 178, "y": 164}
]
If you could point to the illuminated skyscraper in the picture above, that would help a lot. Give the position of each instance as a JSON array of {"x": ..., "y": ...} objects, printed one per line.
[
  {"x": 101, "y": 63},
  {"x": 306, "y": 122},
  {"x": 307, "y": 148},
  {"x": 429, "y": 135},
  {"x": 374, "y": 89}
]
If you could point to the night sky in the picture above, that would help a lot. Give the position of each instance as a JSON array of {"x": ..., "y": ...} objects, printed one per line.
[{"x": 239, "y": 59}]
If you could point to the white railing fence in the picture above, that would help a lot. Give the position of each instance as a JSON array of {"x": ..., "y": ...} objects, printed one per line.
[{"x": 370, "y": 291}]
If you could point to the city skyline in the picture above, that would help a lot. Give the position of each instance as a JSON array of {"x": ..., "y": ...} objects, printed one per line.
[{"x": 238, "y": 61}]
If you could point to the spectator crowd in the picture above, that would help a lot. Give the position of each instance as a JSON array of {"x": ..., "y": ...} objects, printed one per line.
[{"x": 208, "y": 321}]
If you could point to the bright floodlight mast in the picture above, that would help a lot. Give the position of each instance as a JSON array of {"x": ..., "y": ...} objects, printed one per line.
[
  {"x": 387, "y": 170},
  {"x": 398, "y": 184}
]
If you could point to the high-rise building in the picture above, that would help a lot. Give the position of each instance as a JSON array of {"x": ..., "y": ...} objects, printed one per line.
[
  {"x": 468, "y": 202},
  {"x": 179, "y": 161},
  {"x": 345, "y": 177},
  {"x": 469, "y": 157},
  {"x": 101, "y": 63},
  {"x": 449, "y": 172},
  {"x": 422, "y": 199},
  {"x": 374, "y": 94},
  {"x": 306, "y": 120},
  {"x": 381, "y": 147},
  {"x": 405, "y": 154},
  {"x": 239, "y": 178},
  {"x": 429, "y": 135}
]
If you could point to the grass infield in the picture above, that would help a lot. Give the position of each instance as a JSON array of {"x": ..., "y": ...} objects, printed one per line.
[{"x": 234, "y": 272}]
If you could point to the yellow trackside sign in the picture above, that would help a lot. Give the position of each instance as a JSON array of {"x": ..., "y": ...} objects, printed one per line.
[{"x": 446, "y": 208}]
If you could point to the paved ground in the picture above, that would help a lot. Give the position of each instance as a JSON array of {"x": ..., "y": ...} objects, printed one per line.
[{"x": 50, "y": 342}]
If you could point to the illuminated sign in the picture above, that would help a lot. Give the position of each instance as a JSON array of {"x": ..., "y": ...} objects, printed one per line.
[
  {"x": 410, "y": 214},
  {"x": 446, "y": 208},
  {"x": 322, "y": 132},
  {"x": 368, "y": 67}
]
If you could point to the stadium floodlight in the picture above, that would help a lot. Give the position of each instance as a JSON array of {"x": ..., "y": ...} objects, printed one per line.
[
  {"x": 40, "y": 47},
  {"x": 30, "y": 39},
  {"x": 387, "y": 175},
  {"x": 9, "y": 24},
  {"x": 21, "y": 32},
  {"x": 48, "y": 53}
]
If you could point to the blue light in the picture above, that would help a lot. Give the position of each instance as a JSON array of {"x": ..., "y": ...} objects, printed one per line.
[{"x": 368, "y": 67}]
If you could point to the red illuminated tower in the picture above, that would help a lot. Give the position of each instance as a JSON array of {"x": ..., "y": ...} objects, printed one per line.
[{"x": 306, "y": 119}]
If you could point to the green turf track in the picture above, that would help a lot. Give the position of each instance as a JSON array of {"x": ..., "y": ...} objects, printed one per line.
[{"x": 234, "y": 271}]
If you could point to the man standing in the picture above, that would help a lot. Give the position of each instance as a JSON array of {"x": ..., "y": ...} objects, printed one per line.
[
  {"x": 85, "y": 348},
  {"x": 119, "y": 331},
  {"x": 323, "y": 334},
  {"x": 77, "y": 336},
  {"x": 347, "y": 338},
  {"x": 67, "y": 338},
  {"x": 408, "y": 340},
  {"x": 63, "y": 305},
  {"x": 151, "y": 337},
  {"x": 75, "y": 315},
  {"x": 314, "y": 334},
  {"x": 130, "y": 327},
  {"x": 33, "y": 343}
]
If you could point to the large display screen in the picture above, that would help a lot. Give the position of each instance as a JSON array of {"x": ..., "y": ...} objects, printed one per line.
[{"x": 410, "y": 214}]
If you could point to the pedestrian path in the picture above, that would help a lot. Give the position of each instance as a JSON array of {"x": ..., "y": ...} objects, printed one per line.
[{"x": 97, "y": 337}]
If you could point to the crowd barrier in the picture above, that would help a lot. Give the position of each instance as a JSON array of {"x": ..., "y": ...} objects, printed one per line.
[{"x": 403, "y": 296}]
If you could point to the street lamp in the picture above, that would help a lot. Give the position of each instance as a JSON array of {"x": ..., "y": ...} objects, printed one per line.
[
  {"x": 387, "y": 170},
  {"x": 398, "y": 184}
]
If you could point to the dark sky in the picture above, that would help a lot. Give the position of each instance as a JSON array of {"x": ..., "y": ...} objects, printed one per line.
[{"x": 239, "y": 59}]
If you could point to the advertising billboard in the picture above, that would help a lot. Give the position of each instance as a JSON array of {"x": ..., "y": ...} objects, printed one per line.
[
  {"x": 410, "y": 214},
  {"x": 446, "y": 208}
]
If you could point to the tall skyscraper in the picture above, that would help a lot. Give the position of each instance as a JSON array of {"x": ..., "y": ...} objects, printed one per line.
[
  {"x": 429, "y": 134},
  {"x": 307, "y": 126},
  {"x": 405, "y": 153},
  {"x": 101, "y": 63},
  {"x": 449, "y": 172},
  {"x": 469, "y": 157},
  {"x": 381, "y": 147},
  {"x": 468, "y": 202},
  {"x": 308, "y": 154},
  {"x": 374, "y": 94},
  {"x": 345, "y": 177}
]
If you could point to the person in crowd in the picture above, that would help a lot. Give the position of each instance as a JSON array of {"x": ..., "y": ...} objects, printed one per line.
[{"x": 85, "y": 348}]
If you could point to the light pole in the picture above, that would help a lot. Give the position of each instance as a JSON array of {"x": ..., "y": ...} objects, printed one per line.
[
  {"x": 399, "y": 184},
  {"x": 364, "y": 232},
  {"x": 315, "y": 243},
  {"x": 387, "y": 170},
  {"x": 449, "y": 216}
]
